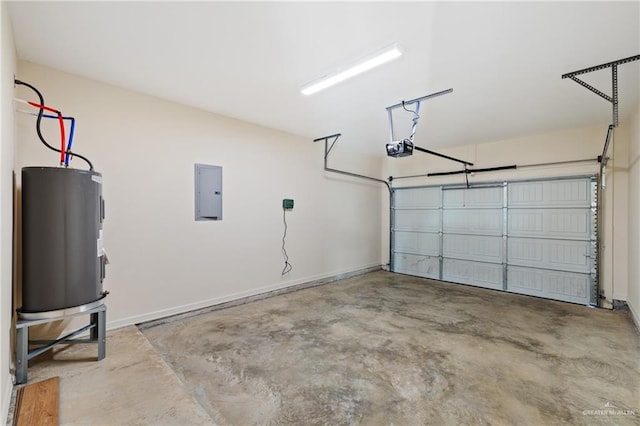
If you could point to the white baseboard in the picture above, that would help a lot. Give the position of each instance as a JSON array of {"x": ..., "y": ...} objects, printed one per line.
[
  {"x": 302, "y": 282},
  {"x": 7, "y": 392},
  {"x": 635, "y": 315}
]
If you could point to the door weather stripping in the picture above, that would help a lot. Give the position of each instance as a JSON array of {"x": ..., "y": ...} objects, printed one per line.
[
  {"x": 327, "y": 150},
  {"x": 614, "y": 82}
]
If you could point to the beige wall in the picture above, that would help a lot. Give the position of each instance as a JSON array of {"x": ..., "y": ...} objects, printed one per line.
[
  {"x": 6, "y": 210},
  {"x": 634, "y": 216},
  {"x": 162, "y": 261},
  {"x": 573, "y": 144}
]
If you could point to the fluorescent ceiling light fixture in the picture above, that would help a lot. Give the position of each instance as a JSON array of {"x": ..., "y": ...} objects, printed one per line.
[{"x": 383, "y": 57}]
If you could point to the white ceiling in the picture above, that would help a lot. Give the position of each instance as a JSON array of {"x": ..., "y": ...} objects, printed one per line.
[{"x": 504, "y": 61}]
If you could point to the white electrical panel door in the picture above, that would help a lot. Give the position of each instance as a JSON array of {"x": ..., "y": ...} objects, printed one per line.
[
  {"x": 532, "y": 237},
  {"x": 208, "y": 192}
]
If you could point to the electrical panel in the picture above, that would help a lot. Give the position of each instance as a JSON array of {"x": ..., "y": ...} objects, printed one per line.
[{"x": 208, "y": 192}]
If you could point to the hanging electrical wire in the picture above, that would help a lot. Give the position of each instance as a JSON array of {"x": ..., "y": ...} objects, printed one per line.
[
  {"x": 415, "y": 118},
  {"x": 64, "y": 153},
  {"x": 287, "y": 266}
]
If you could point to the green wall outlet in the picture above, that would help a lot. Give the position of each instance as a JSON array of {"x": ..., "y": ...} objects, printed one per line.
[{"x": 287, "y": 204}]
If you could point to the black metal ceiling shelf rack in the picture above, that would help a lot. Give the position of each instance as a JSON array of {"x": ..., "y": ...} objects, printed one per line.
[
  {"x": 613, "y": 99},
  {"x": 614, "y": 81}
]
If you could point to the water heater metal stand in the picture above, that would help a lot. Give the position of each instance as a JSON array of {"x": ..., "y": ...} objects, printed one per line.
[{"x": 97, "y": 333}]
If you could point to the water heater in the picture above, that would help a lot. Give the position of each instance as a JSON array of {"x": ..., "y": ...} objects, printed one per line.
[{"x": 62, "y": 252}]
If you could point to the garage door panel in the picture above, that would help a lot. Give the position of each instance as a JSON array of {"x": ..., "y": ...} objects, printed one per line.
[
  {"x": 417, "y": 220},
  {"x": 418, "y": 265},
  {"x": 543, "y": 238},
  {"x": 550, "y": 223},
  {"x": 417, "y": 198},
  {"x": 558, "y": 193},
  {"x": 473, "y": 222},
  {"x": 565, "y": 255},
  {"x": 473, "y": 198},
  {"x": 417, "y": 243},
  {"x": 480, "y": 274},
  {"x": 566, "y": 286},
  {"x": 472, "y": 247}
]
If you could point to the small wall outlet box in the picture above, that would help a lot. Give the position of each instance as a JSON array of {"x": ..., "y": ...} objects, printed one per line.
[{"x": 287, "y": 204}]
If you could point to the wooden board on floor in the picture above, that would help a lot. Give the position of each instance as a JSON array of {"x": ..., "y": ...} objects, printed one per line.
[{"x": 37, "y": 404}]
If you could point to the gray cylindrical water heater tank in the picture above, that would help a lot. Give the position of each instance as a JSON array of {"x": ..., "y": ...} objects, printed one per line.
[{"x": 63, "y": 264}]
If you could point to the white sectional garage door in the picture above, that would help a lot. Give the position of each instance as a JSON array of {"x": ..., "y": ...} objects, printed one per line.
[{"x": 535, "y": 237}]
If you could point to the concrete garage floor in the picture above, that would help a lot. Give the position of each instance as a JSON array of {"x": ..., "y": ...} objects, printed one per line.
[{"x": 380, "y": 348}]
